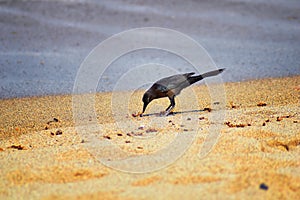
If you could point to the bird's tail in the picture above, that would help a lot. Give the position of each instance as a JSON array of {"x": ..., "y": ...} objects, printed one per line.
[{"x": 194, "y": 79}]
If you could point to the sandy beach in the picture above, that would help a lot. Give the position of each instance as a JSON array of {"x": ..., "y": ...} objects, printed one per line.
[{"x": 256, "y": 156}]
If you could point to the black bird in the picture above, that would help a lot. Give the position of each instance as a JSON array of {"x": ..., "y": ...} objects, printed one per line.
[{"x": 172, "y": 86}]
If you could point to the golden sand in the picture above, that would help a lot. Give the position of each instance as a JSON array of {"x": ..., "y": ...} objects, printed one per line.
[{"x": 256, "y": 156}]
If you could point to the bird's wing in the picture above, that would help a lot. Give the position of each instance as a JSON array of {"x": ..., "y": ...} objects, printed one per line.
[
  {"x": 161, "y": 88},
  {"x": 173, "y": 82}
]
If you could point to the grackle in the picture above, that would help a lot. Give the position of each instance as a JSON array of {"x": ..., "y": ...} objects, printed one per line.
[{"x": 172, "y": 86}]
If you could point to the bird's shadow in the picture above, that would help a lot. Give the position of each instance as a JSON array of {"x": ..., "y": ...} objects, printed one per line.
[{"x": 161, "y": 114}]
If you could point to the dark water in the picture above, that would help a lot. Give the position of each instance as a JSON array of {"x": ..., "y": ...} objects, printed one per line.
[{"x": 42, "y": 44}]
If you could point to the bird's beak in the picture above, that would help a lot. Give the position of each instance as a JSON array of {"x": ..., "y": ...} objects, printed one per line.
[{"x": 145, "y": 106}]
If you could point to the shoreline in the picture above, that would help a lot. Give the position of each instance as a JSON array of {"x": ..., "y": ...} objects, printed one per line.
[{"x": 104, "y": 92}]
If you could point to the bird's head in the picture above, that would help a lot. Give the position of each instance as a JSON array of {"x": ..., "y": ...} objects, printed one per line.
[{"x": 147, "y": 98}]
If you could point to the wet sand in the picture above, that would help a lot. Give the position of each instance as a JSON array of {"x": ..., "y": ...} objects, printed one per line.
[
  {"x": 43, "y": 155},
  {"x": 43, "y": 43}
]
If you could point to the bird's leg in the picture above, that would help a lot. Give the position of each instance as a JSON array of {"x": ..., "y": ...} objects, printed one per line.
[{"x": 171, "y": 106}]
